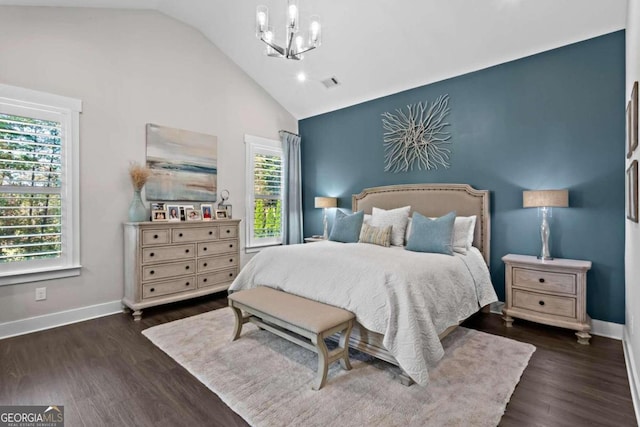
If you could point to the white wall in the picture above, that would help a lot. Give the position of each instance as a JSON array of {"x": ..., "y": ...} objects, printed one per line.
[
  {"x": 632, "y": 235},
  {"x": 129, "y": 68}
]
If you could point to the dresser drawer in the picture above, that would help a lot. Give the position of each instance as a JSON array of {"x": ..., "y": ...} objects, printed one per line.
[
  {"x": 152, "y": 290},
  {"x": 161, "y": 271},
  {"x": 548, "y": 304},
  {"x": 544, "y": 281},
  {"x": 214, "y": 248},
  {"x": 155, "y": 237},
  {"x": 217, "y": 263},
  {"x": 228, "y": 231},
  {"x": 211, "y": 279},
  {"x": 168, "y": 253},
  {"x": 179, "y": 235}
]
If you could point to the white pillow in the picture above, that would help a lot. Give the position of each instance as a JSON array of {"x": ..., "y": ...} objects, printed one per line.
[
  {"x": 463, "y": 231},
  {"x": 396, "y": 218},
  {"x": 367, "y": 219}
]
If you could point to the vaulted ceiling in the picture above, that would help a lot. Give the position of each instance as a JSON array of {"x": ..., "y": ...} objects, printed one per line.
[{"x": 379, "y": 47}]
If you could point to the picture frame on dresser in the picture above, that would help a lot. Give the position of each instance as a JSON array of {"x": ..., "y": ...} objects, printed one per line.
[
  {"x": 159, "y": 215},
  {"x": 632, "y": 191},
  {"x": 206, "y": 212},
  {"x": 221, "y": 214},
  {"x": 193, "y": 215},
  {"x": 173, "y": 213}
]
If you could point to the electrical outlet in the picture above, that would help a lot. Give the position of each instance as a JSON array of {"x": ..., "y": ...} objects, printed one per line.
[{"x": 41, "y": 294}]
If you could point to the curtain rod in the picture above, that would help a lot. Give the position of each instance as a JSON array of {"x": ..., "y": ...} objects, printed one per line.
[{"x": 290, "y": 133}]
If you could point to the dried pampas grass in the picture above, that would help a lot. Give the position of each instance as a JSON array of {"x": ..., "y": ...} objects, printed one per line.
[{"x": 139, "y": 175}]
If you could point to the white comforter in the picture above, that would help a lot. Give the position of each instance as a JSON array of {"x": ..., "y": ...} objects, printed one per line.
[{"x": 408, "y": 297}]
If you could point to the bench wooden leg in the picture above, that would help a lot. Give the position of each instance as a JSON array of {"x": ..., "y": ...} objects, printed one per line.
[
  {"x": 344, "y": 345},
  {"x": 323, "y": 365},
  {"x": 239, "y": 322}
]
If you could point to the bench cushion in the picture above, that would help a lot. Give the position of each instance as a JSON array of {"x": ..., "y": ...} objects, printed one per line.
[{"x": 310, "y": 315}]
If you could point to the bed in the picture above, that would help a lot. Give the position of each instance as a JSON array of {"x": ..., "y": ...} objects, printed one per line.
[{"x": 405, "y": 302}]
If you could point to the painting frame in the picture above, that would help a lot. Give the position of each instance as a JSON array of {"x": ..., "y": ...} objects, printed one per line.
[
  {"x": 632, "y": 121},
  {"x": 632, "y": 191}
]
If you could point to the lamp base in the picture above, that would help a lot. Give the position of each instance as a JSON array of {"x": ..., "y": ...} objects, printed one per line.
[{"x": 545, "y": 258}]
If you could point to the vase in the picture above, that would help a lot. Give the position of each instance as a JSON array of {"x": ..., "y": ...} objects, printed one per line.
[{"x": 137, "y": 210}]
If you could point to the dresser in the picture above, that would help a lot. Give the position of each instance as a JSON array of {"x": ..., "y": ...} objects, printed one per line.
[
  {"x": 553, "y": 292},
  {"x": 173, "y": 261}
]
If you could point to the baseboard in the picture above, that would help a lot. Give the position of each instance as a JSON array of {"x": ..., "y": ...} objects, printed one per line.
[
  {"x": 629, "y": 360},
  {"x": 598, "y": 327},
  {"x": 48, "y": 321}
]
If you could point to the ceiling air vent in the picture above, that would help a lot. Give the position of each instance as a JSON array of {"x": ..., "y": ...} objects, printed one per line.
[{"x": 330, "y": 82}]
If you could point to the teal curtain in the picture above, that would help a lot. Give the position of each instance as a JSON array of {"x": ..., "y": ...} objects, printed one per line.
[{"x": 292, "y": 206}]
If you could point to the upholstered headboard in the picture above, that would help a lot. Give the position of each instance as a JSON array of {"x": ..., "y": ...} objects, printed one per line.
[{"x": 433, "y": 200}]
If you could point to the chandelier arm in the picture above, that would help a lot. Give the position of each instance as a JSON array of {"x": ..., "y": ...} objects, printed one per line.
[
  {"x": 274, "y": 46},
  {"x": 305, "y": 50},
  {"x": 289, "y": 42}
]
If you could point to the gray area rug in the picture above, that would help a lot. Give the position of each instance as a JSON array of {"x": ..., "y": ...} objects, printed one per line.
[{"x": 267, "y": 380}]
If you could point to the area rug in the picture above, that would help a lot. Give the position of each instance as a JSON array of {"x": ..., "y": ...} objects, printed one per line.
[{"x": 267, "y": 380}]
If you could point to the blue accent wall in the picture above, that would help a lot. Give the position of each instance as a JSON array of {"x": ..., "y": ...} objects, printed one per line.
[{"x": 549, "y": 121}]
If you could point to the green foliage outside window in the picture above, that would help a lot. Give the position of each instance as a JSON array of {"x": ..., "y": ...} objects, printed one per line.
[{"x": 267, "y": 213}]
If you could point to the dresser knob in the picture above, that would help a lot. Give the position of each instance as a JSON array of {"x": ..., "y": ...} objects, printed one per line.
[
  {"x": 228, "y": 231},
  {"x": 210, "y": 233},
  {"x": 151, "y": 272},
  {"x": 204, "y": 280},
  {"x": 155, "y": 236},
  {"x": 151, "y": 254},
  {"x": 230, "y": 274},
  {"x": 541, "y": 302},
  {"x": 186, "y": 267},
  {"x": 541, "y": 280},
  {"x": 205, "y": 264},
  {"x": 186, "y": 251},
  {"x": 180, "y": 235},
  {"x": 186, "y": 284},
  {"x": 152, "y": 290},
  {"x": 204, "y": 249},
  {"x": 231, "y": 245},
  {"x": 231, "y": 260}
]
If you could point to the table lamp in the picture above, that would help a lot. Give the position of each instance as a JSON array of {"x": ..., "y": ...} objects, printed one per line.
[
  {"x": 545, "y": 200},
  {"x": 324, "y": 203}
]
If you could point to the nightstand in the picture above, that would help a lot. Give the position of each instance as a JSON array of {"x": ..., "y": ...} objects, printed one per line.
[
  {"x": 553, "y": 292},
  {"x": 314, "y": 239}
]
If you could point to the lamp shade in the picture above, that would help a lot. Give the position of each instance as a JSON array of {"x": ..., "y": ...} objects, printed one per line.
[
  {"x": 326, "y": 202},
  {"x": 545, "y": 198}
]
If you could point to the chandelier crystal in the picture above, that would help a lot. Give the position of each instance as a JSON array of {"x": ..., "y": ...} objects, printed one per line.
[{"x": 295, "y": 44}]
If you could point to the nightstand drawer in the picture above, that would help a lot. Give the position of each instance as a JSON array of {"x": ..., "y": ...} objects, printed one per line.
[
  {"x": 564, "y": 283},
  {"x": 548, "y": 304}
]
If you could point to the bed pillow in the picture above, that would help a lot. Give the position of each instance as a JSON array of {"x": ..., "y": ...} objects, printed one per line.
[
  {"x": 396, "y": 218},
  {"x": 346, "y": 228},
  {"x": 376, "y": 235},
  {"x": 432, "y": 235},
  {"x": 463, "y": 233}
]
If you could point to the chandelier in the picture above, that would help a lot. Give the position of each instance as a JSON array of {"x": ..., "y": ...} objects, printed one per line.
[{"x": 295, "y": 44}]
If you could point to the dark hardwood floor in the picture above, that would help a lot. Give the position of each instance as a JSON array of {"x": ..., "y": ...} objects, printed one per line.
[{"x": 105, "y": 372}]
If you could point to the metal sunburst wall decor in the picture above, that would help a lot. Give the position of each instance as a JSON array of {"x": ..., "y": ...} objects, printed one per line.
[{"x": 417, "y": 136}]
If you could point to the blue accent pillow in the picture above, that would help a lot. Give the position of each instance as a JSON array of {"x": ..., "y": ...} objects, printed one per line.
[
  {"x": 346, "y": 228},
  {"x": 432, "y": 235}
]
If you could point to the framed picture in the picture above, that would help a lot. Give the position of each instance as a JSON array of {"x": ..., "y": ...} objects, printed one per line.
[
  {"x": 173, "y": 213},
  {"x": 632, "y": 121},
  {"x": 221, "y": 214},
  {"x": 160, "y": 206},
  {"x": 192, "y": 214},
  {"x": 632, "y": 191},
  {"x": 207, "y": 212},
  {"x": 159, "y": 215}
]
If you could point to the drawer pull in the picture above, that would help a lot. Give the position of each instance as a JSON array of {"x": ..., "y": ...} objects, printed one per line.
[
  {"x": 230, "y": 274},
  {"x": 205, "y": 264},
  {"x": 151, "y": 254},
  {"x": 152, "y": 272},
  {"x": 186, "y": 251},
  {"x": 204, "y": 280},
  {"x": 152, "y": 290},
  {"x": 228, "y": 231},
  {"x": 155, "y": 236},
  {"x": 231, "y": 245},
  {"x": 186, "y": 284},
  {"x": 541, "y": 302},
  {"x": 204, "y": 249},
  {"x": 180, "y": 235},
  {"x": 231, "y": 260},
  {"x": 541, "y": 280},
  {"x": 186, "y": 267},
  {"x": 210, "y": 233}
]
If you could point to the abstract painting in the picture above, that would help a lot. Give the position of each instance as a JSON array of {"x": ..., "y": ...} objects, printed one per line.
[{"x": 184, "y": 165}]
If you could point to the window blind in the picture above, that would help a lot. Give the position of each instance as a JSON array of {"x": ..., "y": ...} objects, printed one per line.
[{"x": 267, "y": 191}]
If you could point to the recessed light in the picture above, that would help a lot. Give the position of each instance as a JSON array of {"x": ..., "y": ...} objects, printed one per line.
[{"x": 302, "y": 77}]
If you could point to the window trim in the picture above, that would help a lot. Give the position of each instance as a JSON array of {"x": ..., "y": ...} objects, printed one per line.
[
  {"x": 269, "y": 144},
  {"x": 68, "y": 110}
]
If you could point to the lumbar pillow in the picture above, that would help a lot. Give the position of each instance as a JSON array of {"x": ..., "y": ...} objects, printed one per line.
[
  {"x": 397, "y": 218},
  {"x": 376, "y": 235},
  {"x": 432, "y": 235},
  {"x": 346, "y": 228}
]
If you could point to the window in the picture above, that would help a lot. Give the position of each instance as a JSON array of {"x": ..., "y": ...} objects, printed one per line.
[
  {"x": 264, "y": 191},
  {"x": 39, "y": 224}
]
